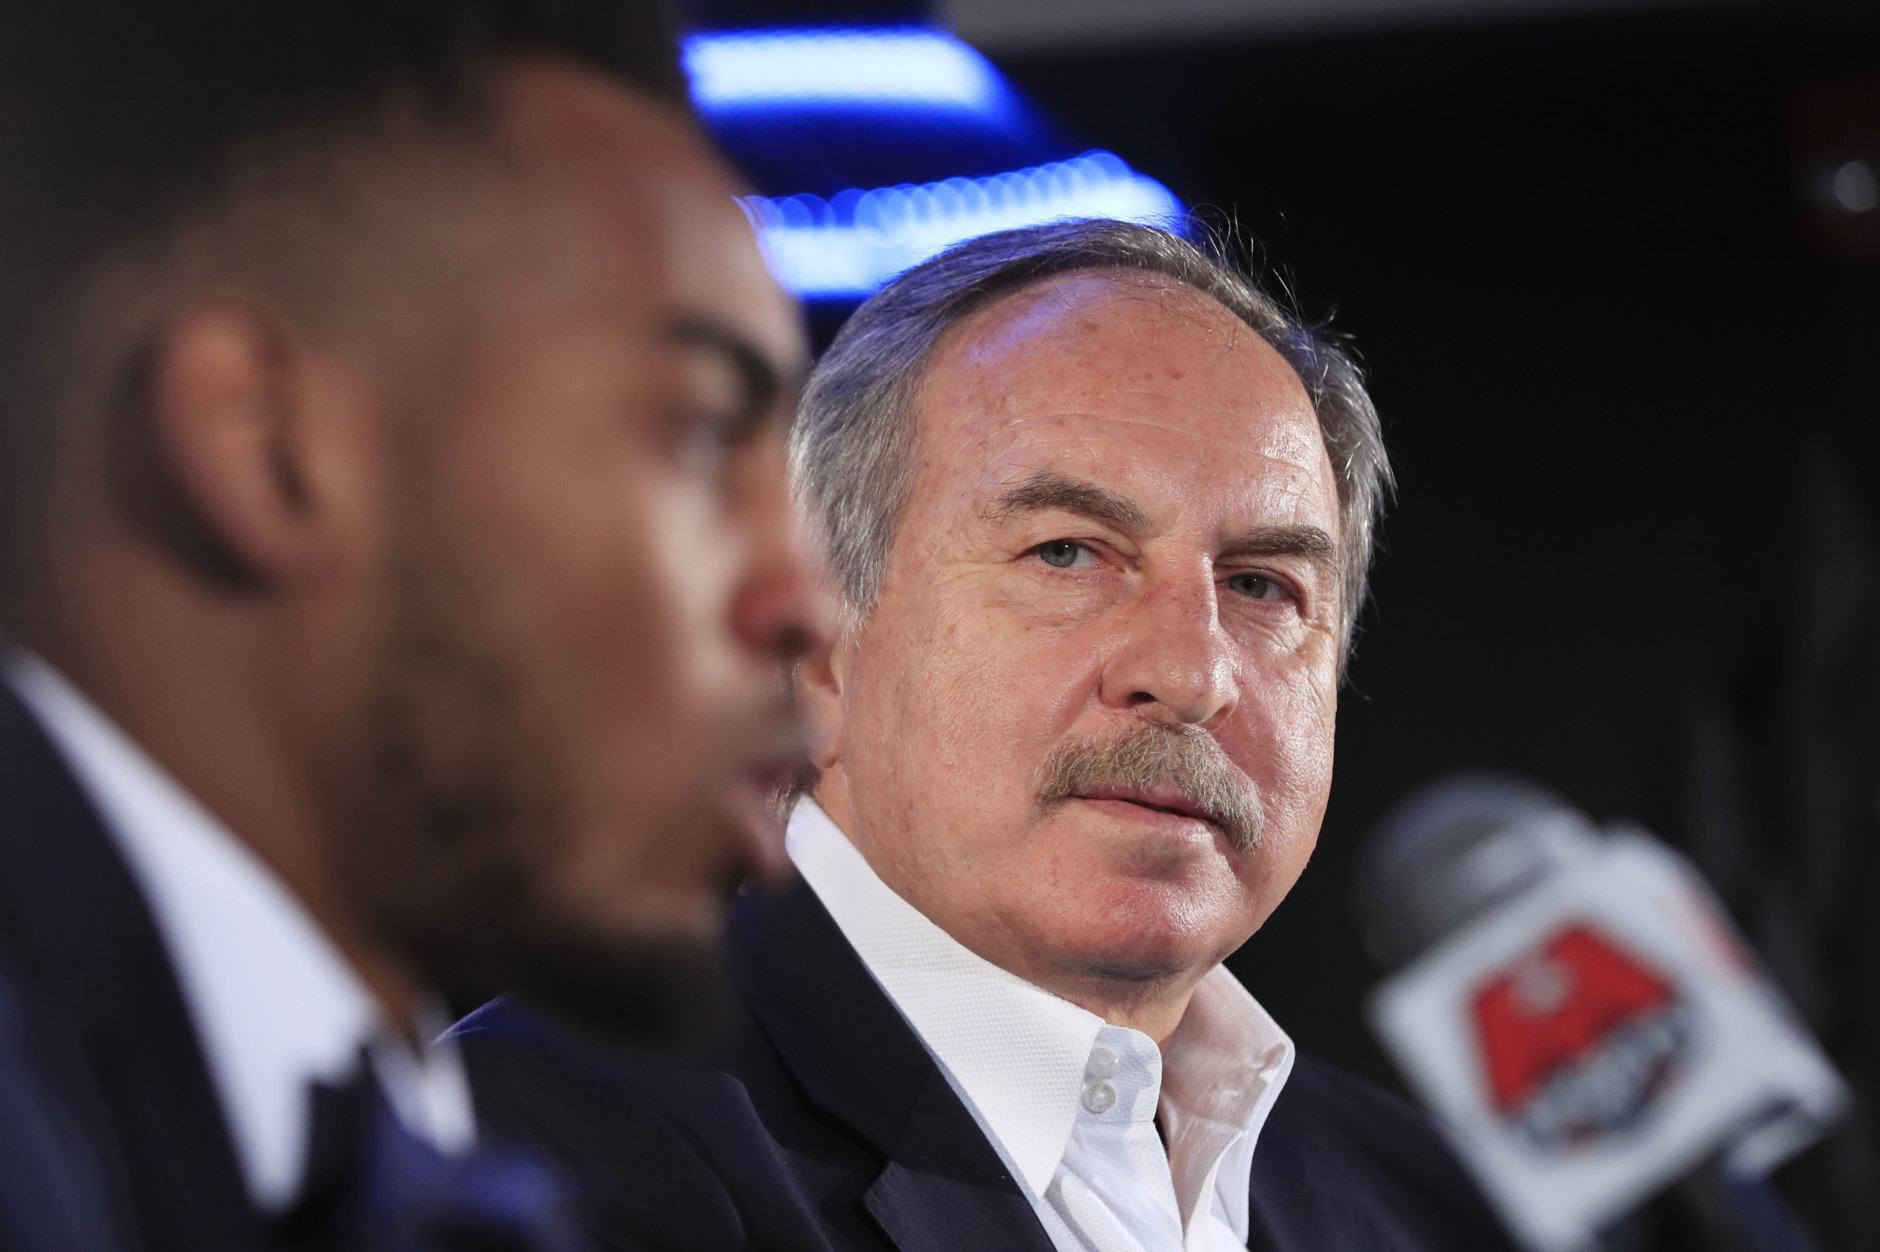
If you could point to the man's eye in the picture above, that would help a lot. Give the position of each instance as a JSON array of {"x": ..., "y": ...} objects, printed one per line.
[
  {"x": 709, "y": 438},
  {"x": 1256, "y": 587},
  {"x": 1061, "y": 553}
]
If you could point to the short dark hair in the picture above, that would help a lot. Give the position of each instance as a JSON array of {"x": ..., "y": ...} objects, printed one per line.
[{"x": 124, "y": 121}]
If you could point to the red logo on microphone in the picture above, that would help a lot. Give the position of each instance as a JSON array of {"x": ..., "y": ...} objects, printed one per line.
[{"x": 1578, "y": 1038}]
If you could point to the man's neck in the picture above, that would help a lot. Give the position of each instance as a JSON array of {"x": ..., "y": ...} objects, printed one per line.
[
  {"x": 210, "y": 734},
  {"x": 1153, "y": 1005}
]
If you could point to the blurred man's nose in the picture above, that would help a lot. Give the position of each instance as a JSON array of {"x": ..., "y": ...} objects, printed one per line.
[
  {"x": 781, "y": 609},
  {"x": 1175, "y": 664}
]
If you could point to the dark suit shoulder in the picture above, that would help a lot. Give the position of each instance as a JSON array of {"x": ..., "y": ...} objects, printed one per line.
[
  {"x": 1340, "y": 1151},
  {"x": 110, "y": 1074},
  {"x": 643, "y": 1182},
  {"x": 666, "y": 1157},
  {"x": 57, "y": 1187}
]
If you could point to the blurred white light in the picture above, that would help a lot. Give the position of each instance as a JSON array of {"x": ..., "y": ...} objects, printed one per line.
[
  {"x": 850, "y": 244},
  {"x": 1856, "y": 188},
  {"x": 906, "y": 66}
]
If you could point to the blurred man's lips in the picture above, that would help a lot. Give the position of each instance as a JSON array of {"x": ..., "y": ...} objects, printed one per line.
[
  {"x": 753, "y": 795},
  {"x": 1171, "y": 802}
]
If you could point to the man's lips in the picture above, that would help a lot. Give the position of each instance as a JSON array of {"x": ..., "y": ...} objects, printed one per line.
[
  {"x": 1164, "y": 800},
  {"x": 752, "y": 800},
  {"x": 757, "y": 792}
]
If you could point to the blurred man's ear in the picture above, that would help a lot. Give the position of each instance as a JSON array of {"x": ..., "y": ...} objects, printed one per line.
[
  {"x": 820, "y": 676},
  {"x": 236, "y": 471}
]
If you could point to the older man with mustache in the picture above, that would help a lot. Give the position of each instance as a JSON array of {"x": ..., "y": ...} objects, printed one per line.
[{"x": 1099, "y": 513}]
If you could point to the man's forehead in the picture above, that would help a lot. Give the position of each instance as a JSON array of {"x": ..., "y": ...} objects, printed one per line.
[
  {"x": 651, "y": 203},
  {"x": 1054, "y": 313},
  {"x": 1087, "y": 341},
  {"x": 1244, "y": 487},
  {"x": 1118, "y": 359},
  {"x": 556, "y": 112}
]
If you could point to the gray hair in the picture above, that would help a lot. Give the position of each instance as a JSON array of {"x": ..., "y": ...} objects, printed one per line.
[{"x": 852, "y": 449}]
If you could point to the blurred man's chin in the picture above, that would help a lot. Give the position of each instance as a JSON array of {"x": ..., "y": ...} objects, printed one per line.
[{"x": 655, "y": 997}]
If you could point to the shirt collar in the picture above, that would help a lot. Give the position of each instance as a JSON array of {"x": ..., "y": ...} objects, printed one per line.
[
  {"x": 1018, "y": 1054},
  {"x": 275, "y": 1006},
  {"x": 1223, "y": 1069},
  {"x": 1014, "y": 1050}
]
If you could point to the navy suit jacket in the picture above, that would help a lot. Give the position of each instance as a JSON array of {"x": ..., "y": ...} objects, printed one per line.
[
  {"x": 821, "y": 1123},
  {"x": 111, "y": 1137}
]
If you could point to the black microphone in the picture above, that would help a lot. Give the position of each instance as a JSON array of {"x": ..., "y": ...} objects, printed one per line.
[{"x": 1575, "y": 1006}]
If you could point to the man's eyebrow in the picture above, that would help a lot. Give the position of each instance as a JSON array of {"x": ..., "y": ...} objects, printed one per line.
[
  {"x": 762, "y": 381},
  {"x": 1049, "y": 489},
  {"x": 1310, "y": 542}
]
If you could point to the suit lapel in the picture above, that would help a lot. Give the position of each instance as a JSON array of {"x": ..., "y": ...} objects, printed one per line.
[
  {"x": 944, "y": 1186},
  {"x": 84, "y": 942},
  {"x": 927, "y": 1204}
]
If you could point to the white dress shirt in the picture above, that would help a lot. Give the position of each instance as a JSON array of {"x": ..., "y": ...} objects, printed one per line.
[
  {"x": 1068, "y": 1100},
  {"x": 275, "y": 1006}
]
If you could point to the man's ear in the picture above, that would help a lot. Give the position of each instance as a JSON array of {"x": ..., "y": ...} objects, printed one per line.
[
  {"x": 820, "y": 678},
  {"x": 231, "y": 454}
]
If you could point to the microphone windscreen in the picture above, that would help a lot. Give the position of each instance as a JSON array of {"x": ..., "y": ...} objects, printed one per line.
[{"x": 1454, "y": 849}]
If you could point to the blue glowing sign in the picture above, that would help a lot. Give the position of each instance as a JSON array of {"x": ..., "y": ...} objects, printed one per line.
[
  {"x": 848, "y": 245},
  {"x": 892, "y": 66},
  {"x": 896, "y": 101}
]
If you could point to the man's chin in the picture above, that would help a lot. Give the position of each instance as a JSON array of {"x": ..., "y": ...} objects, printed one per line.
[
  {"x": 653, "y": 997},
  {"x": 1142, "y": 932},
  {"x": 1147, "y": 962}
]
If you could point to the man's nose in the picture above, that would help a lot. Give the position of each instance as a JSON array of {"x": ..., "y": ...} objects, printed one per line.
[
  {"x": 1176, "y": 663},
  {"x": 781, "y": 609}
]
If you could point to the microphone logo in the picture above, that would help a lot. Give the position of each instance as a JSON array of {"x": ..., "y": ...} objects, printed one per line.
[{"x": 1579, "y": 1038}]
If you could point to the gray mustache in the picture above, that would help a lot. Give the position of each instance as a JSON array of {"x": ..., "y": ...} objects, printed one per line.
[{"x": 1185, "y": 759}]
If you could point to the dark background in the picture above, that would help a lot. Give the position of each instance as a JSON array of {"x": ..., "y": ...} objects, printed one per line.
[{"x": 1630, "y": 377}]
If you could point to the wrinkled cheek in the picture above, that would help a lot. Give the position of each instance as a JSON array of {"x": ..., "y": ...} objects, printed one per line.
[
  {"x": 1288, "y": 754},
  {"x": 925, "y": 679},
  {"x": 1305, "y": 781},
  {"x": 1300, "y": 723}
]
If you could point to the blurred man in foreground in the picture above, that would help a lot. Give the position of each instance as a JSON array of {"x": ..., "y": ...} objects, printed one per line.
[
  {"x": 397, "y": 564},
  {"x": 1101, "y": 515}
]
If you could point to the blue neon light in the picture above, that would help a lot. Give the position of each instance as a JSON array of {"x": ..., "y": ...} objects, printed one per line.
[
  {"x": 806, "y": 80},
  {"x": 900, "y": 66},
  {"x": 850, "y": 244}
]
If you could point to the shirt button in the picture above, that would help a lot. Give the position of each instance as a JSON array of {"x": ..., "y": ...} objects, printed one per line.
[
  {"x": 1099, "y": 1096},
  {"x": 1102, "y": 1063}
]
